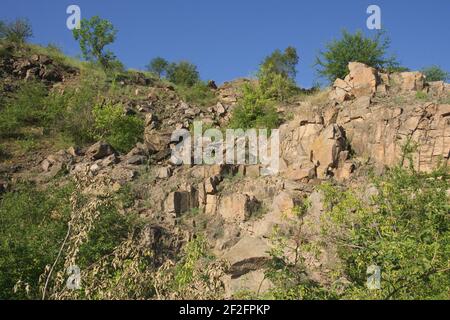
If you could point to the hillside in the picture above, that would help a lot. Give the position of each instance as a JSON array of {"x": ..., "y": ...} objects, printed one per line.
[{"x": 87, "y": 180}]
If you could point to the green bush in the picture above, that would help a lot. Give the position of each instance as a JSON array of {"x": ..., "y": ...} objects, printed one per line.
[
  {"x": 117, "y": 128},
  {"x": 108, "y": 231},
  {"x": 27, "y": 106},
  {"x": 435, "y": 73},
  {"x": 333, "y": 63},
  {"x": 406, "y": 232},
  {"x": 199, "y": 94},
  {"x": 33, "y": 223},
  {"x": 183, "y": 73},
  {"x": 254, "y": 110}
]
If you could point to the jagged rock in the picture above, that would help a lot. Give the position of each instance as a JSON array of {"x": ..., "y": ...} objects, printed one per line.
[
  {"x": 326, "y": 148},
  {"x": 253, "y": 281},
  {"x": 136, "y": 160},
  {"x": 247, "y": 255},
  {"x": 211, "y": 184},
  {"x": 100, "y": 150},
  {"x": 411, "y": 81},
  {"x": 157, "y": 140},
  {"x": 212, "y": 84},
  {"x": 283, "y": 203},
  {"x": 211, "y": 204},
  {"x": 164, "y": 172},
  {"x": 75, "y": 151},
  {"x": 237, "y": 207},
  {"x": 252, "y": 171},
  {"x": 179, "y": 202}
]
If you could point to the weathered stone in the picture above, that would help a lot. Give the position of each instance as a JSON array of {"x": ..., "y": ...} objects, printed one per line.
[
  {"x": 326, "y": 148},
  {"x": 237, "y": 207},
  {"x": 253, "y": 281},
  {"x": 283, "y": 203},
  {"x": 164, "y": 172},
  {"x": 363, "y": 79},
  {"x": 136, "y": 160},
  {"x": 247, "y": 255},
  {"x": 211, "y": 204},
  {"x": 178, "y": 202},
  {"x": 99, "y": 150},
  {"x": 252, "y": 171}
]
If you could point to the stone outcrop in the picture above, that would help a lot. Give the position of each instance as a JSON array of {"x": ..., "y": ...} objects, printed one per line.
[{"x": 318, "y": 142}]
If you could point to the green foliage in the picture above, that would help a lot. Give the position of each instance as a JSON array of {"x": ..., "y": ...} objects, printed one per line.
[
  {"x": 108, "y": 231},
  {"x": 183, "y": 73},
  {"x": 435, "y": 73},
  {"x": 33, "y": 224},
  {"x": 120, "y": 130},
  {"x": 158, "y": 66},
  {"x": 199, "y": 94},
  {"x": 17, "y": 32},
  {"x": 333, "y": 63},
  {"x": 421, "y": 95},
  {"x": 406, "y": 231},
  {"x": 94, "y": 35},
  {"x": 27, "y": 106},
  {"x": 254, "y": 110},
  {"x": 277, "y": 74},
  {"x": 282, "y": 63},
  {"x": 193, "y": 251}
]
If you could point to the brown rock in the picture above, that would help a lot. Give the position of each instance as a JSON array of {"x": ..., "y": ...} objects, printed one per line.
[{"x": 237, "y": 207}]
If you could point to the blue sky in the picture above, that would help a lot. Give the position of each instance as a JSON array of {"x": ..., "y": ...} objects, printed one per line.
[{"x": 228, "y": 39}]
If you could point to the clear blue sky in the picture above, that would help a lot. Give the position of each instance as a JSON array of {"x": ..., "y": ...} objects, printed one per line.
[{"x": 228, "y": 39}]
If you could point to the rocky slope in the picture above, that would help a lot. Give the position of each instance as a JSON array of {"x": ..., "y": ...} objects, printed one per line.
[{"x": 364, "y": 121}]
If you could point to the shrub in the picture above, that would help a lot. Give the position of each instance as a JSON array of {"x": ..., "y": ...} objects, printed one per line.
[
  {"x": 183, "y": 73},
  {"x": 333, "y": 63},
  {"x": 33, "y": 224},
  {"x": 158, "y": 66},
  {"x": 406, "y": 232},
  {"x": 108, "y": 231},
  {"x": 277, "y": 74},
  {"x": 94, "y": 35},
  {"x": 435, "y": 73},
  {"x": 421, "y": 95},
  {"x": 254, "y": 110},
  {"x": 27, "y": 106},
  {"x": 199, "y": 94},
  {"x": 120, "y": 130},
  {"x": 18, "y": 31}
]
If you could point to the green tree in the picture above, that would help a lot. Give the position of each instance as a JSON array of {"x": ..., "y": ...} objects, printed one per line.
[
  {"x": 183, "y": 73},
  {"x": 94, "y": 35},
  {"x": 18, "y": 31},
  {"x": 282, "y": 63},
  {"x": 333, "y": 63},
  {"x": 277, "y": 73},
  {"x": 158, "y": 66},
  {"x": 435, "y": 73}
]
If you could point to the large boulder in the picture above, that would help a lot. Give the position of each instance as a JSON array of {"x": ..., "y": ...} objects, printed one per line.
[
  {"x": 326, "y": 149},
  {"x": 99, "y": 150},
  {"x": 247, "y": 255},
  {"x": 237, "y": 207},
  {"x": 362, "y": 79}
]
